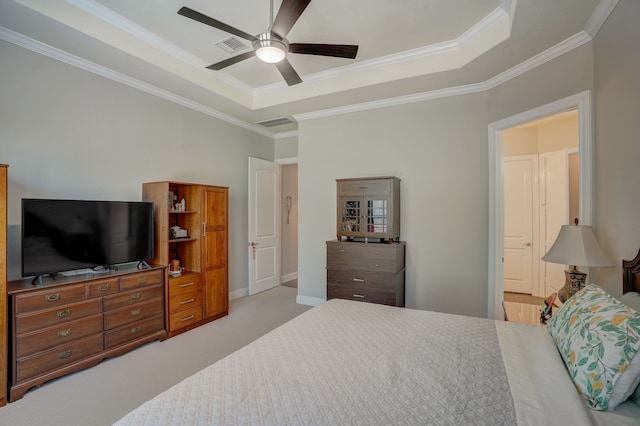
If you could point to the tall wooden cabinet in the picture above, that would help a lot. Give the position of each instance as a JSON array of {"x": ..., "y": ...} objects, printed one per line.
[
  {"x": 200, "y": 293},
  {"x": 4, "y": 362}
]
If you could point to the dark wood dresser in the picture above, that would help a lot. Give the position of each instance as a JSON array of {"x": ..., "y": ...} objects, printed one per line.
[
  {"x": 368, "y": 272},
  {"x": 72, "y": 323}
]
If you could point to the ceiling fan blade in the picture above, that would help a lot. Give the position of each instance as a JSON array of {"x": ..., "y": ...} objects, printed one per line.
[
  {"x": 288, "y": 73},
  {"x": 337, "y": 50},
  {"x": 288, "y": 14},
  {"x": 234, "y": 60},
  {"x": 197, "y": 16}
]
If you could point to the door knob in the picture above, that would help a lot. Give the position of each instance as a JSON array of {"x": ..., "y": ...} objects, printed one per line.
[{"x": 526, "y": 244}]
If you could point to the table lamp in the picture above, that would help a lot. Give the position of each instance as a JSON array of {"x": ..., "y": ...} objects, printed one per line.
[{"x": 575, "y": 245}]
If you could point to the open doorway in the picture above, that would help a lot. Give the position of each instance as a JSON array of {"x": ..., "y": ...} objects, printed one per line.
[
  {"x": 582, "y": 104},
  {"x": 541, "y": 193}
]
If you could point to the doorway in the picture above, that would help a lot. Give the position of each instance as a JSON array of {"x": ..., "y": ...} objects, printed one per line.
[
  {"x": 582, "y": 104},
  {"x": 541, "y": 193}
]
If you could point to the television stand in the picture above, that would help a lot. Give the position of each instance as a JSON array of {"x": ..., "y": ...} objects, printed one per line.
[{"x": 143, "y": 265}]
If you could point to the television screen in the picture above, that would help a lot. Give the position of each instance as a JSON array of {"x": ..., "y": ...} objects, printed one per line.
[{"x": 62, "y": 235}]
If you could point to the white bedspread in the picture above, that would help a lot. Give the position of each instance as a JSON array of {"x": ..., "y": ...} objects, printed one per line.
[{"x": 357, "y": 363}]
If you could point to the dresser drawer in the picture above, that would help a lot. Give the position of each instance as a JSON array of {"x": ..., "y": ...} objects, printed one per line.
[
  {"x": 376, "y": 187},
  {"x": 362, "y": 295},
  {"x": 132, "y": 313},
  {"x": 185, "y": 318},
  {"x": 30, "y": 343},
  {"x": 184, "y": 301},
  {"x": 102, "y": 287},
  {"x": 131, "y": 297},
  {"x": 60, "y": 296},
  {"x": 376, "y": 257},
  {"x": 57, "y": 316},
  {"x": 363, "y": 280},
  {"x": 133, "y": 331},
  {"x": 185, "y": 284},
  {"x": 141, "y": 279},
  {"x": 58, "y": 357}
]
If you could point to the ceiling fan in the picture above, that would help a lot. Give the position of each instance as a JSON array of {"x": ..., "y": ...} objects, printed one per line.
[{"x": 272, "y": 45}]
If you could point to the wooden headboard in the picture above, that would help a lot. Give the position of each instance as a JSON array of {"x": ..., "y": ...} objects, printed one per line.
[{"x": 631, "y": 274}]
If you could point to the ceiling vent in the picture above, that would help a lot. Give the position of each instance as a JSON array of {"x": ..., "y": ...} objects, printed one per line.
[
  {"x": 275, "y": 122},
  {"x": 232, "y": 45}
]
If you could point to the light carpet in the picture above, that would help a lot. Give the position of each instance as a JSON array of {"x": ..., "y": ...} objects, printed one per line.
[{"x": 104, "y": 393}]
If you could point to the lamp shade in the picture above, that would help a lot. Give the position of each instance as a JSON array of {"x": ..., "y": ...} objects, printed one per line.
[{"x": 576, "y": 245}]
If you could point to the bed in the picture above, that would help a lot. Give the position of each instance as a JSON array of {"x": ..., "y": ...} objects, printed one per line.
[{"x": 347, "y": 362}]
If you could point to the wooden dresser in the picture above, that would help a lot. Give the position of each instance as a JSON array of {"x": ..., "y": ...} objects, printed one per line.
[
  {"x": 369, "y": 272},
  {"x": 73, "y": 323}
]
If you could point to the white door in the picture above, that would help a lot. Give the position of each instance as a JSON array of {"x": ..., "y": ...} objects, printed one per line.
[
  {"x": 264, "y": 232},
  {"x": 518, "y": 223},
  {"x": 554, "y": 211}
]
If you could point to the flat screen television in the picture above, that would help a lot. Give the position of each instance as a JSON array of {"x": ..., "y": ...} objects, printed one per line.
[{"x": 64, "y": 235}]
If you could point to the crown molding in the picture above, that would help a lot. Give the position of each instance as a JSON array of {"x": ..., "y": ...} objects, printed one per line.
[
  {"x": 284, "y": 135},
  {"x": 603, "y": 9},
  {"x": 62, "y": 56},
  {"x": 558, "y": 50}
]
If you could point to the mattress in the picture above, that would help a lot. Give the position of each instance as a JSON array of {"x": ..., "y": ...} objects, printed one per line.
[{"x": 350, "y": 362}]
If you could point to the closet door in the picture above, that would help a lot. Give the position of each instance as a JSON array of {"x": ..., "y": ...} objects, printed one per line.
[{"x": 215, "y": 268}]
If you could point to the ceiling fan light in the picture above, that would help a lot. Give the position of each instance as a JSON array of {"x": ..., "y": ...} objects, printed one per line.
[
  {"x": 269, "y": 49},
  {"x": 270, "y": 54}
]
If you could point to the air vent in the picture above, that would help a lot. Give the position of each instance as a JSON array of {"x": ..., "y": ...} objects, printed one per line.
[
  {"x": 232, "y": 45},
  {"x": 275, "y": 122}
]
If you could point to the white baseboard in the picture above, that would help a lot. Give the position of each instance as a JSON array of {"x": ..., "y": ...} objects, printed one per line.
[
  {"x": 238, "y": 293},
  {"x": 288, "y": 277},
  {"x": 309, "y": 301}
]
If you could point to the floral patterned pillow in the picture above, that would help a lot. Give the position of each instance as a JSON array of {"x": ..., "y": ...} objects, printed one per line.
[{"x": 598, "y": 338}]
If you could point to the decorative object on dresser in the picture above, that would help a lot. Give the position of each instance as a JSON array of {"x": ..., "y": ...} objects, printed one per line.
[
  {"x": 3, "y": 285},
  {"x": 576, "y": 245},
  {"x": 192, "y": 233},
  {"x": 72, "y": 323},
  {"x": 369, "y": 208}
]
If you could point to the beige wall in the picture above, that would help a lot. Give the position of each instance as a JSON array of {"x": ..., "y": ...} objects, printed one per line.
[
  {"x": 548, "y": 135},
  {"x": 286, "y": 147},
  {"x": 289, "y": 222},
  {"x": 617, "y": 139},
  {"x": 439, "y": 149},
  {"x": 67, "y": 133}
]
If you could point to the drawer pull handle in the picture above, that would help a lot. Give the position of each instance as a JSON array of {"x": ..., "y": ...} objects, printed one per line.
[
  {"x": 359, "y": 296},
  {"x": 52, "y": 297},
  {"x": 136, "y": 330},
  {"x": 136, "y": 312},
  {"x": 184, "y": 302},
  {"x": 103, "y": 287},
  {"x": 65, "y": 354},
  {"x": 358, "y": 280},
  {"x": 64, "y": 314},
  {"x": 186, "y": 285},
  {"x": 187, "y": 318},
  {"x": 377, "y": 266},
  {"x": 135, "y": 296},
  {"x": 64, "y": 333},
  {"x": 142, "y": 280},
  {"x": 341, "y": 250}
]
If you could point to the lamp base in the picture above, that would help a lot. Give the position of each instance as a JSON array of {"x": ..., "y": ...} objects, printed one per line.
[{"x": 574, "y": 281}]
